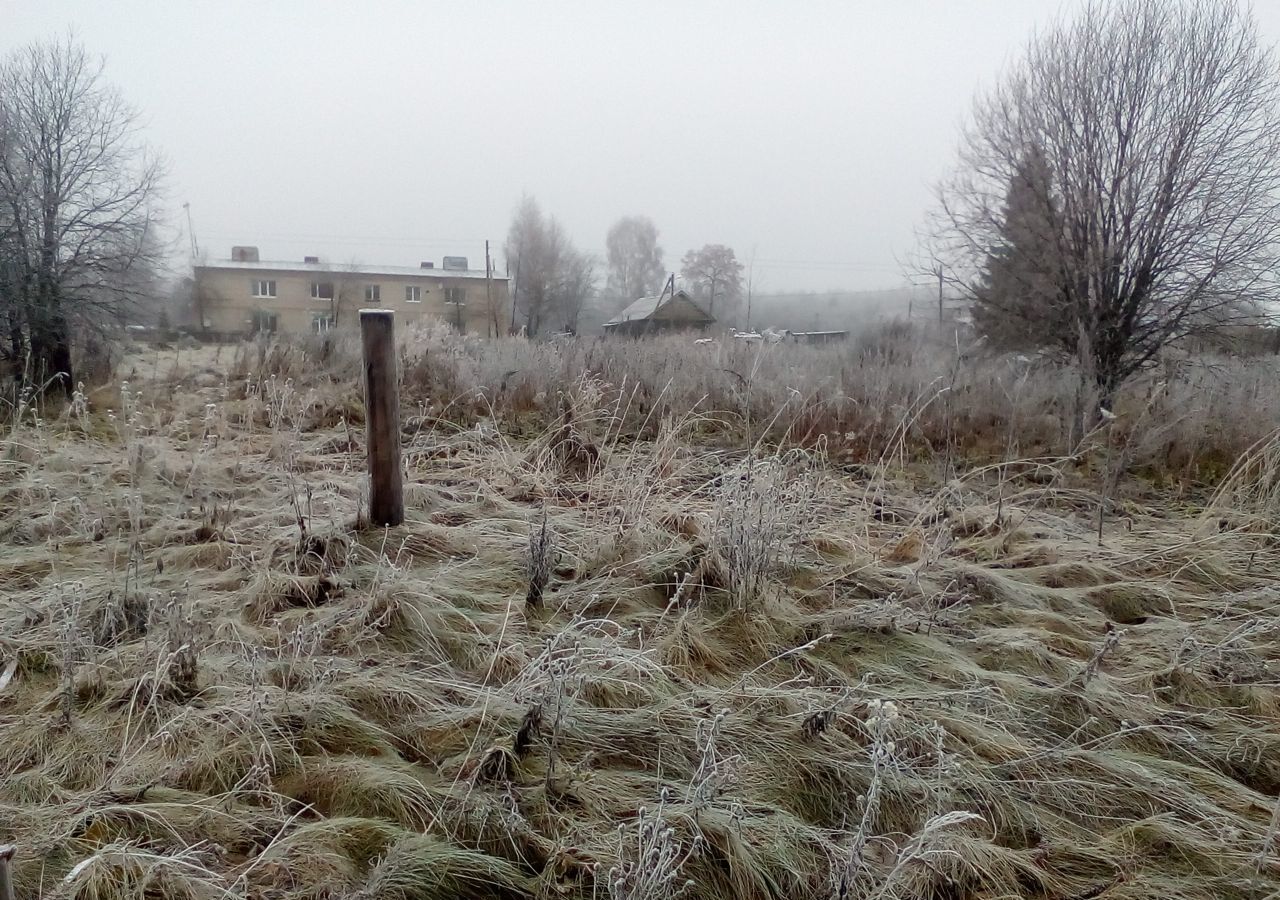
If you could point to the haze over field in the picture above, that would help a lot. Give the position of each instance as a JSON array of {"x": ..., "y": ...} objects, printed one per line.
[
  {"x": 679, "y": 566},
  {"x": 392, "y": 132}
]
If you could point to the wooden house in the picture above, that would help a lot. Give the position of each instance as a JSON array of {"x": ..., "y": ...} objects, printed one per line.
[{"x": 656, "y": 315}]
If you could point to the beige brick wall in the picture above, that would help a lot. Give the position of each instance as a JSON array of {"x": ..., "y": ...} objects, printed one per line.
[{"x": 226, "y": 301}]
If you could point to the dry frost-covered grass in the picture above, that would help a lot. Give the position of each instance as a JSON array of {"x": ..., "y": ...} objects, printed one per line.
[{"x": 759, "y": 662}]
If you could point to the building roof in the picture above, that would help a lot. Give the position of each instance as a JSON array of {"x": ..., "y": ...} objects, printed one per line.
[
  {"x": 323, "y": 268},
  {"x": 647, "y": 307}
]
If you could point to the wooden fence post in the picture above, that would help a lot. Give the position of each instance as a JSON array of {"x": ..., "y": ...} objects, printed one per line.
[
  {"x": 382, "y": 416},
  {"x": 6, "y": 879}
]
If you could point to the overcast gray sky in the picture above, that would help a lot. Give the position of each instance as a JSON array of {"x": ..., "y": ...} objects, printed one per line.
[{"x": 394, "y": 132}]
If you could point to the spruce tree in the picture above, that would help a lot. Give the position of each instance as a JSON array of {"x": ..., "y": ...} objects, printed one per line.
[{"x": 1020, "y": 300}]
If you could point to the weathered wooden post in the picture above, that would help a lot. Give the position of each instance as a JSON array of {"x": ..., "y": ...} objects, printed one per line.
[
  {"x": 382, "y": 416},
  {"x": 6, "y": 880}
]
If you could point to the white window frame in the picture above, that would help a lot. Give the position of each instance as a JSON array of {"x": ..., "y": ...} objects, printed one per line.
[
  {"x": 322, "y": 323},
  {"x": 459, "y": 291},
  {"x": 264, "y": 288},
  {"x": 412, "y": 293},
  {"x": 373, "y": 293},
  {"x": 315, "y": 290}
]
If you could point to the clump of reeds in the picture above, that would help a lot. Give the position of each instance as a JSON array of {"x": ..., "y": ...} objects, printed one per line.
[
  {"x": 182, "y": 669},
  {"x": 763, "y": 504},
  {"x": 538, "y": 563},
  {"x": 1252, "y": 485}
]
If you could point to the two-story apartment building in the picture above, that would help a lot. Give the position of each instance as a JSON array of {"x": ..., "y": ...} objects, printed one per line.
[{"x": 245, "y": 294}]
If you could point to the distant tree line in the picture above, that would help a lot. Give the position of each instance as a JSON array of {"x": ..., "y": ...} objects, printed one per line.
[
  {"x": 78, "y": 240},
  {"x": 553, "y": 281}
]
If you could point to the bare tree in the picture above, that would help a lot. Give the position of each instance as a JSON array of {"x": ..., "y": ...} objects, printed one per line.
[
  {"x": 77, "y": 188},
  {"x": 634, "y": 259},
  {"x": 351, "y": 291},
  {"x": 1120, "y": 189},
  {"x": 714, "y": 273},
  {"x": 577, "y": 286},
  {"x": 553, "y": 280},
  {"x": 531, "y": 253}
]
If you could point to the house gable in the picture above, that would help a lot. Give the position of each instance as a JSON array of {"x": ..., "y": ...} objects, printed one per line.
[
  {"x": 675, "y": 309},
  {"x": 681, "y": 308}
]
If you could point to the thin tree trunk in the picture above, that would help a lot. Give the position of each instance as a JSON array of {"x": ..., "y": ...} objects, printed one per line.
[
  {"x": 17, "y": 346},
  {"x": 60, "y": 355},
  {"x": 51, "y": 350}
]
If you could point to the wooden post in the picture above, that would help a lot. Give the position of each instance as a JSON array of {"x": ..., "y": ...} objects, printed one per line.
[
  {"x": 6, "y": 879},
  {"x": 382, "y": 416}
]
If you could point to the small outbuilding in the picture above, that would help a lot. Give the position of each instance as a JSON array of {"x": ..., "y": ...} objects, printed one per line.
[
  {"x": 655, "y": 315},
  {"x": 818, "y": 337}
]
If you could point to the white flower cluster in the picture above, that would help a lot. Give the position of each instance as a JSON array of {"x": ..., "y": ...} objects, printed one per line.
[
  {"x": 882, "y": 720},
  {"x": 650, "y": 860},
  {"x": 716, "y": 770},
  {"x": 80, "y": 404},
  {"x": 883, "y": 709},
  {"x": 212, "y": 425}
]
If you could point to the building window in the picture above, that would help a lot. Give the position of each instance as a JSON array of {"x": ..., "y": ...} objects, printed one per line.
[
  {"x": 322, "y": 290},
  {"x": 264, "y": 288},
  {"x": 456, "y": 295},
  {"x": 412, "y": 293},
  {"x": 264, "y": 322},
  {"x": 321, "y": 323},
  {"x": 373, "y": 293}
]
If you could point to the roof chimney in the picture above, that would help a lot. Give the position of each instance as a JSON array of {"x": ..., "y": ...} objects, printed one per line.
[
  {"x": 428, "y": 265},
  {"x": 311, "y": 259}
]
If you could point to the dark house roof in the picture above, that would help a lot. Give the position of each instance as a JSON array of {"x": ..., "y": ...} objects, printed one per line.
[{"x": 669, "y": 309}]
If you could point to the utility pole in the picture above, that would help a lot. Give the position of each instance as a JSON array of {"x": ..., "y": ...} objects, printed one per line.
[
  {"x": 751, "y": 271},
  {"x": 488, "y": 289},
  {"x": 515, "y": 293},
  {"x": 938, "y": 271},
  {"x": 191, "y": 230},
  {"x": 197, "y": 290}
]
